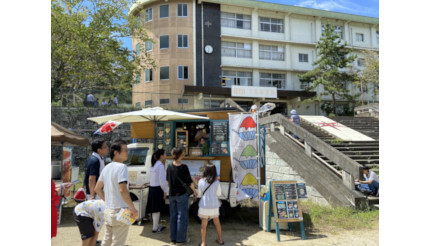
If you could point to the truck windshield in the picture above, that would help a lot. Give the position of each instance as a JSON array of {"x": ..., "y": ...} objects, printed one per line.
[{"x": 136, "y": 156}]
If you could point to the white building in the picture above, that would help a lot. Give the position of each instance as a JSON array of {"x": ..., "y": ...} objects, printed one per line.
[{"x": 243, "y": 43}]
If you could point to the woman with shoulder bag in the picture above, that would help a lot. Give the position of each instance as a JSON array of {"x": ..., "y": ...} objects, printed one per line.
[
  {"x": 210, "y": 190},
  {"x": 157, "y": 189},
  {"x": 179, "y": 180}
]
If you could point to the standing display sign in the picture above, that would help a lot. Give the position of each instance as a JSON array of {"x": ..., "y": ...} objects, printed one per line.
[
  {"x": 67, "y": 164},
  {"x": 163, "y": 136},
  {"x": 284, "y": 199}
]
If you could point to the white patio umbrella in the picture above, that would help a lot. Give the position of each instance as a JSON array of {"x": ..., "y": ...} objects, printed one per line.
[{"x": 147, "y": 114}]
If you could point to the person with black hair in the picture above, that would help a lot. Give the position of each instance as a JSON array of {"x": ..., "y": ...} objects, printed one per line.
[
  {"x": 209, "y": 190},
  {"x": 370, "y": 182},
  {"x": 89, "y": 217},
  {"x": 112, "y": 187},
  {"x": 178, "y": 176},
  {"x": 157, "y": 189},
  {"x": 94, "y": 167}
]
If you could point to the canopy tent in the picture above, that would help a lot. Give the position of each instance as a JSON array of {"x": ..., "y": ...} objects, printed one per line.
[
  {"x": 62, "y": 136},
  {"x": 147, "y": 114}
]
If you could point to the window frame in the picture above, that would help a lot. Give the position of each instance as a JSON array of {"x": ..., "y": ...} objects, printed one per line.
[
  {"x": 357, "y": 34},
  {"x": 177, "y": 10},
  {"x": 138, "y": 105},
  {"x": 146, "y": 15},
  {"x": 147, "y": 104},
  {"x": 303, "y": 55},
  {"x": 236, "y": 78},
  {"x": 151, "y": 75},
  {"x": 138, "y": 49},
  {"x": 146, "y": 46},
  {"x": 270, "y": 23},
  {"x": 360, "y": 62},
  {"x": 182, "y": 98},
  {"x": 183, "y": 72},
  {"x": 284, "y": 79},
  {"x": 182, "y": 39},
  {"x": 168, "y": 41},
  {"x": 168, "y": 102},
  {"x": 168, "y": 72},
  {"x": 138, "y": 79},
  {"x": 235, "y": 20},
  {"x": 159, "y": 12},
  {"x": 236, "y": 49},
  {"x": 271, "y": 52}
]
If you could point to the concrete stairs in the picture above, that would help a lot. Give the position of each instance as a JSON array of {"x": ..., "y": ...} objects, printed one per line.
[
  {"x": 329, "y": 185},
  {"x": 369, "y": 126}
]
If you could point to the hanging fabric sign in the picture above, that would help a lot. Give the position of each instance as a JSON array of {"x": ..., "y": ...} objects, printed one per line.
[{"x": 243, "y": 154}]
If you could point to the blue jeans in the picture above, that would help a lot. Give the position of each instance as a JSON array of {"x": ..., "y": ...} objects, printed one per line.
[
  {"x": 178, "y": 217},
  {"x": 373, "y": 187}
]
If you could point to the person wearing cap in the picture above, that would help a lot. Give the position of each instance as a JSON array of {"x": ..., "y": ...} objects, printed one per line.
[
  {"x": 254, "y": 108},
  {"x": 295, "y": 118},
  {"x": 371, "y": 182},
  {"x": 89, "y": 216}
]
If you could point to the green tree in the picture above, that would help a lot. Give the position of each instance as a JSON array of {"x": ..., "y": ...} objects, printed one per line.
[
  {"x": 86, "y": 46},
  {"x": 330, "y": 72},
  {"x": 371, "y": 72}
]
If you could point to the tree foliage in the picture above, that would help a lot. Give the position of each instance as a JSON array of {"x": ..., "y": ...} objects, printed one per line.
[
  {"x": 371, "y": 73},
  {"x": 86, "y": 46},
  {"x": 331, "y": 71}
]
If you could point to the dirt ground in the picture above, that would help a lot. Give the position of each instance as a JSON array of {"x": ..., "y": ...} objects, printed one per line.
[{"x": 240, "y": 228}]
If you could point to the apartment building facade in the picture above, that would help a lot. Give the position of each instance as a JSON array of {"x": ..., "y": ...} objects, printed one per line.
[{"x": 249, "y": 51}]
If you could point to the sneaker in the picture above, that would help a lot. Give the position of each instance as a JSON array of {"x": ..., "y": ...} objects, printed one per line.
[
  {"x": 173, "y": 243},
  {"x": 160, "y": 229},
  {"x": 184, "y": 242}
]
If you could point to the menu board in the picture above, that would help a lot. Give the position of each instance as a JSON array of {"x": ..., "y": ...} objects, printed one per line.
[
  {"x": 219, "y": 137},
  {"x": 285, "y": 200},
  {"x": 163, "y": 136},
  {"x": 301, "y": 190}
]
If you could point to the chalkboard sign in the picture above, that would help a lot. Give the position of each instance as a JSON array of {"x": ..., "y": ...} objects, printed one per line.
[
  {"x": 286, "y": 206},
  {"x": 219, "y": 137},
  {"x": 163, "y": 136},
  {"x": 182, "y": 140}
]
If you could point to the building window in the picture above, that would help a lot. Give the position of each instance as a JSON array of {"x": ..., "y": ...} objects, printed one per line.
[
  {"x": 148, "y": 46},
  {"x": 337, "y": 29},
  {"x": 233, "y": 20},
  {"x": 182, "y": 100},
  {"x": 164, "y": 72},
  {"x": 148, "y": 75},
  {"x": 359, "y": 37},
  {"x": 182, "y": 72},
  {"x": 360, "y": 62},
  {"x": 148, "y": 103},
  {"x": 138, "y": 105},
  {"x": 269, "y": 52},
  {"x": 164, "y": 42},
  {"x": 236, "y": 49},
  {"x": 182, "y": 10},
  {"x": 148, "y": 15},
  {"x": 182, "y": 41},
  {"x": 230, "y": 78},
  {"x": 209, "y": 103},
  {"x": 164, "y": 11},
  {"x": 271, "y": 25},
  {"x": 272, "y": 80},
  {"x": 303, "y": 57},
  {"x": 137, "y": 78},
  {"x": 377, "y": 37},
  {"x": 164, "y": 101},
  {"x": 138, "y": 49}
]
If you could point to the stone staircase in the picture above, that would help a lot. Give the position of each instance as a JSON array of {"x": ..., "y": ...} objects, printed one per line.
[{"x": 368, "y": 126}]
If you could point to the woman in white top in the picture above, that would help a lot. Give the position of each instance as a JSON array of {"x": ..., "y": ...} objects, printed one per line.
[
  {"x": 157, "y": 189},
  {"x": 209, "y": 190}
]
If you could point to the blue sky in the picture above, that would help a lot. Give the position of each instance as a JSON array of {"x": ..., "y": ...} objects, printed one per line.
[{"x": 359, "y": 7}]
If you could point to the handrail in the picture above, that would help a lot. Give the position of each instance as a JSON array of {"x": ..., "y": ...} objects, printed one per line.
[{"x": 346, "y": 163}]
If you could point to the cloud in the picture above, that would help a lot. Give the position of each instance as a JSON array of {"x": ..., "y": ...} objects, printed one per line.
[{"x": 329, "y": 5}]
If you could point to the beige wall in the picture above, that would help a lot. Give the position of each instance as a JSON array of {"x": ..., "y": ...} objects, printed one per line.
[{"x": 172, "y": 57}]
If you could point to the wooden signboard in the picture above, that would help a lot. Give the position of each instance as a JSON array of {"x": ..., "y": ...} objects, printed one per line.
[
  {"x": 284, "y": 199},
  {"x": 182, "y": 140}
]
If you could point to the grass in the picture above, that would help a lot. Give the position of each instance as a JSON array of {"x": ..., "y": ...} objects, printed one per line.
[{"x": 334, "y": 219}]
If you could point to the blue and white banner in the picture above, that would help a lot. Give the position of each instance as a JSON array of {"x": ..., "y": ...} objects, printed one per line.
[{"x": 243, "y": 153}]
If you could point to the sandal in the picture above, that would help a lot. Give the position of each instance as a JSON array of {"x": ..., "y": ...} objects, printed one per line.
[{"x": 216, "y": 240}]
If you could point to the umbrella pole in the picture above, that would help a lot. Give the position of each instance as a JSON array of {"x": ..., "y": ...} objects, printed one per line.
[{"x": 62, "y": 162}]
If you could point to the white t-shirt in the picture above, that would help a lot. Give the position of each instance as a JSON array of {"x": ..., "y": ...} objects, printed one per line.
[
  {"x": 372, "y": 176},
  {"x": 112, "y": 175},
  {"x": 158, "y": 176}
]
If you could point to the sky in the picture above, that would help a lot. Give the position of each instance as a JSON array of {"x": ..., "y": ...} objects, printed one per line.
[{"x": 359, "y": 7}]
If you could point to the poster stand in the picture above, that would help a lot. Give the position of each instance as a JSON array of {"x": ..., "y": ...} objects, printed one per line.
[{"x": 284, "y": 205}]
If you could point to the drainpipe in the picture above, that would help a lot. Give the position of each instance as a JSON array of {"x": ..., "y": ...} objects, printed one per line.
[{"x": 203, "y": 53}]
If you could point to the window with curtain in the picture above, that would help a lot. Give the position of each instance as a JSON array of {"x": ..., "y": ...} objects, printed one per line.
[
  {"x": 270, "y": 52},
  {"x": 272, "y": 80},
  {"x": 233, "y": 20},
  {"x": 236, "y": 49},
  {"x": 271, "y": 25}
]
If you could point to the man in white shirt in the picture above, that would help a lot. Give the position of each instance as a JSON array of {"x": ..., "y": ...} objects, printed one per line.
[
  {"x": 371, "y": 181},
  {"x": 114, "y": 180}
]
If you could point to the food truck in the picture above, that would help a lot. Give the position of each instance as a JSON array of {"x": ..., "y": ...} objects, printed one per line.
[{"x": 204, "y": 141}]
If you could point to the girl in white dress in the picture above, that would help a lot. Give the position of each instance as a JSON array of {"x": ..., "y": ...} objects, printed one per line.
[{"x": 209, "y": 190}]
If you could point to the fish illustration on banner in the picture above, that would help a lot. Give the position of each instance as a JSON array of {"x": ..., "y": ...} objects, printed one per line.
[{"x": 244, "y": 155}]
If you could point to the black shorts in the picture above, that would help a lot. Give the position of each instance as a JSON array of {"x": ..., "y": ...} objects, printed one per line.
[{"x": 85, "y": 225}]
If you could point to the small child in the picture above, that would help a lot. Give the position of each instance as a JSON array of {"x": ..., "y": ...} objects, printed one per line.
[
  {"x": 209, "y": 190},
  {"x": 89, "y": 217}
]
